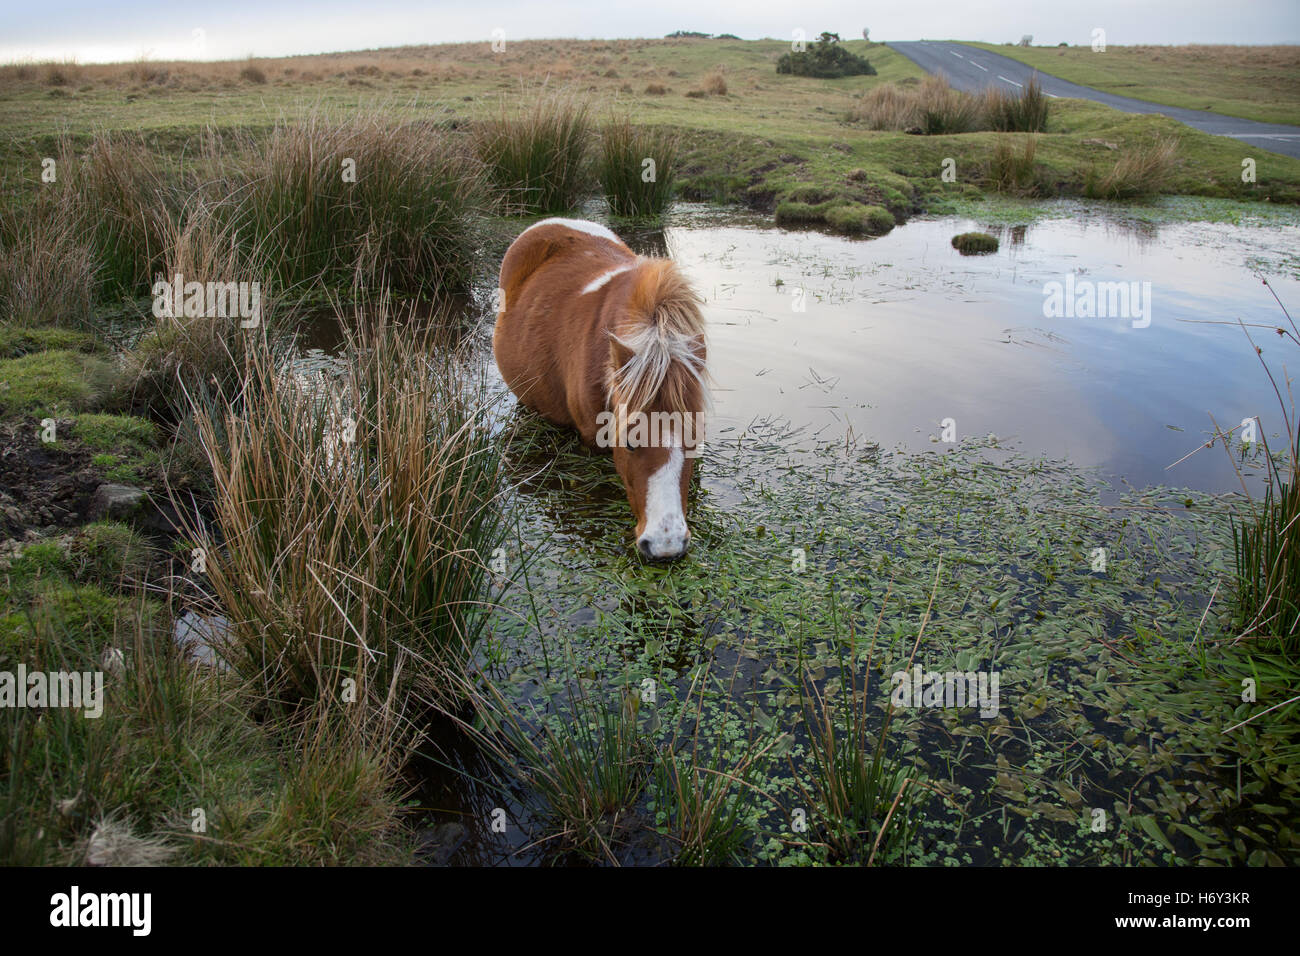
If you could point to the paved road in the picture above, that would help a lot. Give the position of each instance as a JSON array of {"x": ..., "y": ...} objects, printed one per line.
[{"x": 972, "y": 69}]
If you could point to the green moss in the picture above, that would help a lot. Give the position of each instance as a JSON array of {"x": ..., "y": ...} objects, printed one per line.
[
  {"x": 975, "y": 243},
  {"x": 108, "y": 432},
  {"x": 798, "y": 214},
  {"x": 16, "y": 341},
  {"x": 53, "y": 382},
  {"x": 127, "y": 445}
]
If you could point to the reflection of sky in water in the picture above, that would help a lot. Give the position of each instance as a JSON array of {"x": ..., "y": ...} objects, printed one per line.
[{"x": 901, "y": 332}]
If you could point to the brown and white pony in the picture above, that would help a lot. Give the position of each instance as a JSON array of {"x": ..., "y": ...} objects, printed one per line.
[{"x": 593, "y": 336}]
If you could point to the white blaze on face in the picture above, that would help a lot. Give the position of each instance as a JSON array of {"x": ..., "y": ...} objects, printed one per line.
[{"x": 665, "y": 535}]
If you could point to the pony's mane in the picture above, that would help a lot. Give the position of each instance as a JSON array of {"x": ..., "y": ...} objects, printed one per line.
[{"x": 662, "y": 330}]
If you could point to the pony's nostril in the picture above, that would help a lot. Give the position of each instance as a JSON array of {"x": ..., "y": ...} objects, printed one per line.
[{"x": 643, "y": 545}]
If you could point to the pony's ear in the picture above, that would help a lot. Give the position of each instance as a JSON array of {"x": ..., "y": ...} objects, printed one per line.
[{"x": 619, "y": 353}]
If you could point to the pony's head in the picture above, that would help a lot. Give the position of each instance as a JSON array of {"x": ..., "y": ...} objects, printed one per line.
[{"x": 657, "y": 392}]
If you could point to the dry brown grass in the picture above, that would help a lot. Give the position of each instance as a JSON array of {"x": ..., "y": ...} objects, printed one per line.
[{"x": 1141, "y": 170}]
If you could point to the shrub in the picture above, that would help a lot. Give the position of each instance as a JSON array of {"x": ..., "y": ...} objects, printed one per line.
[
  {"x": 253, "y": 74},
  {"x": 825, "y": 59}
]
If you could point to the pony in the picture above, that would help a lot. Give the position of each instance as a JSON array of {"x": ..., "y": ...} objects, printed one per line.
[{"x": 596, "y": 338}]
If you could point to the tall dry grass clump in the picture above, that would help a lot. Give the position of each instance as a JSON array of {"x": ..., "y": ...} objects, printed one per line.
[
  {"x": 122, "y": 200},
  {"x": 538, "y": 156},
  {"x": 934, "y": 108},
  {"x": 354, "y": 520},
  {"x": 189, "y": 352},
  {"x": 47, "y": 267},
  {"x": 364, "y": 198},
  {"x": 1012, "y": 170},
  {"x": 636, "y": 167},
  {"x": 1023, "y": 112},
  {"x": 1139, "y": 171}
]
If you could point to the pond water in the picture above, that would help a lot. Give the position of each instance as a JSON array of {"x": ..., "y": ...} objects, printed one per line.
[{"x": 894, "y": 335}]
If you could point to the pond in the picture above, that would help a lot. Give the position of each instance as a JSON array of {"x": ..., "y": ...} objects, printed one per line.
[
  {"x": 911, "y": 462},
  {"x": 892, "y": 336}
]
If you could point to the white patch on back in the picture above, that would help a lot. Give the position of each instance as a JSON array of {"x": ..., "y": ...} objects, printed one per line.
[
  {"x": 581, "y": 225},
  {"x": 600, "y": 280},
  {"x": 665, "y": 525}
]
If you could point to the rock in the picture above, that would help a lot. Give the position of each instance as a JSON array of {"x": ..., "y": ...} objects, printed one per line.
[{"x": 115, "y": 501}]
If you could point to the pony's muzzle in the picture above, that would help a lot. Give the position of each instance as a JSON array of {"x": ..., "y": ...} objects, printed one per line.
[{"x": 667, "y": 546}]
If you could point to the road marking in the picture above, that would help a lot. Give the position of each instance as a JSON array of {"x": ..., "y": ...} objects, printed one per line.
[
  {"x": 984, "y": 68},
  {"x": 1012, "y": 82},
  {"x": 956, "y": 54}
]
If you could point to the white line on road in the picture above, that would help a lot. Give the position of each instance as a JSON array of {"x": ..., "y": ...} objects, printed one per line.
[
  {"x": 1012, "y": 82},
  {"x": 956, "y": 54},
  {"x": 984, "y": 68}
]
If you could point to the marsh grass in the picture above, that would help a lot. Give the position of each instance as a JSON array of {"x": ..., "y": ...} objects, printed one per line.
[
  {"x": 178, "y": 354},
  {"x": 355, "y": 518},
  {"x": 866, "y": 800},
  {"x": 1013, "y": 171},
  {"x": 121, "y": 789},
  {"x": 122, "y": 200},
  {"x": 1022, "y": 112},
  {"x": 368, "y": 197},
  {"x": 707, "y": 788},
  {"x": 537, "y": 156},
  {"x": 583, "y": 768},
  {"x": 933, "y": 108},
  {"x": 1141, "y": 170},
  {"x": 1266, "y": 541},
  {"x": 623, "y": 171},
  {"x": 47, "y": 266}
]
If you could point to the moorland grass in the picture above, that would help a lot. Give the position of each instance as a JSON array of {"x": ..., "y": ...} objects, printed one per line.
[
  {"x": 632, "y": 186},
  {"x": 538, "y": 157},
  {"x": 353, "y": 523}
]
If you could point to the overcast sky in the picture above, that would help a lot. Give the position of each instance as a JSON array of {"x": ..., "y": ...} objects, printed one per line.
[{"x": 93, "y": 31}]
